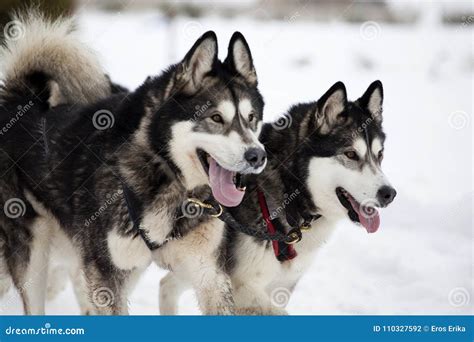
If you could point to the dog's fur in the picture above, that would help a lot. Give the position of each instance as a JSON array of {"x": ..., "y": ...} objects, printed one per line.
[
  {"x": 68, "y": 171},
  {"x": 309, "y": 150}
]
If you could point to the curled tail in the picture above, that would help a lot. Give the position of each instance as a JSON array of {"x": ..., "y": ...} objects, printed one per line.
[{"x": 51, "y": 49}]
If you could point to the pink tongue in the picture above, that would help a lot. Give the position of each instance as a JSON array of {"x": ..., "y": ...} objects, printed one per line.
[
  {"x": 368, "y": 216},
  {"x": 222, "y": 185}
]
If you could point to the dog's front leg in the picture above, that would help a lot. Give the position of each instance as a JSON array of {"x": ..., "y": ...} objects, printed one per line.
[
  {"x": 211, "y": 285},
  {"x": 194, "y": 261},
  {"x": 171, "y": 288},
  {"x": 106, "y": 290},
  {"x": 79, "y": 285}
]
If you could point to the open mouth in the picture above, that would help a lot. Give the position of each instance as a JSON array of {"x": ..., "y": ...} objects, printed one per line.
[
  {"x": 366, "y": 215},
  {"x": 227, "y": 186}
]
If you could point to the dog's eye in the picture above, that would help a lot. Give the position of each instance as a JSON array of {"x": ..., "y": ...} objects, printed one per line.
[
  {"x": 351, "y": 155},
  {"x": 217, "y": 118},
  {"x": 251, "y": 117},
  {"x": 380, "y": 155}
]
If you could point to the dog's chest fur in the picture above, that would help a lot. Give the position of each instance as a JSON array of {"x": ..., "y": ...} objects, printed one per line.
[
  {"x": 128, "y": 252},
  {"x": 162, "y": 221},
  {"x": 256, "y": 261}
]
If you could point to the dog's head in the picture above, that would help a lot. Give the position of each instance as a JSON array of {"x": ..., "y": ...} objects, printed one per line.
[
  {"x": 215, "y": 112},
  {"x": 345, "y": 177}
]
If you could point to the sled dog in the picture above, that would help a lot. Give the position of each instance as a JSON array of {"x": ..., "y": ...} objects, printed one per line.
[
  {"x": 324, "y": 165},
  {"x": 95, "y": 177}
]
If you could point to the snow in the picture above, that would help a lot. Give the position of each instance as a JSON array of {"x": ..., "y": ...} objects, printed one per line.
[{"x": 420, "y": 261}]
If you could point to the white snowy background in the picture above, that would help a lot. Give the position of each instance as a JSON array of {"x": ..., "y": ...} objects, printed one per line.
[{"x": 421, "y": 259}]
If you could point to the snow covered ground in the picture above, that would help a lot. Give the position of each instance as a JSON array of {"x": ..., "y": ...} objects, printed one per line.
[{"x": 420, "y": 261}]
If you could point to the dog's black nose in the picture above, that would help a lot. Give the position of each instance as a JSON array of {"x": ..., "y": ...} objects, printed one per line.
[
  {"x": 255, "y": 157},
  {"x": 385, "y": 195}
]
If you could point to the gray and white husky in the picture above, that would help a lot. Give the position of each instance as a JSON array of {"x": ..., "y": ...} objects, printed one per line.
[
  {"x": 71, "y": 148},
  {"x": 324, "y": 158}
]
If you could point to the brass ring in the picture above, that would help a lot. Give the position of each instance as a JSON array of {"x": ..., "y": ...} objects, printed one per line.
[
  {"x": 207, "y": 206},
  {"x": 199, "y": 203},
  {"x": 219, "y": 213},
  {"x": 295, "y": 239}
]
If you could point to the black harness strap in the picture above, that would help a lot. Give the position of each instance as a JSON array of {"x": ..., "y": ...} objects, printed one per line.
[
  {"x": 134, "y": 207},
  {"x": 213, "y": 208},
  {"x": 209, "y": 207},
  {"x": 259, "y": 234}
]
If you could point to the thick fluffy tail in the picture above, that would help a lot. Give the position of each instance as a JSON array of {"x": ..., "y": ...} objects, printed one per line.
[{"x": 51, "y": 48}]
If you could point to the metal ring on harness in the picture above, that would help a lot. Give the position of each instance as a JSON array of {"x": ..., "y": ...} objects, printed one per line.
[
  {"x": 294, "y": 236},
  {"x": 204, "y": 205}
]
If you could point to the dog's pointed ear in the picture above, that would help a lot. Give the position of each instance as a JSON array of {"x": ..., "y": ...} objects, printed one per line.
[
  {"x": 198, "y": 62},
  {"x": 330, "y": 105},
  {"x": 239, "y": 59},
  {"x": 372, "y": 100}
]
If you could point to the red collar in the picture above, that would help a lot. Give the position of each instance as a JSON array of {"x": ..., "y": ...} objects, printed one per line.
[{"x": 283, "y": 251}]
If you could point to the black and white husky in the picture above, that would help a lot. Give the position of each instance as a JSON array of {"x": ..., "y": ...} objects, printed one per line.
[
  {"x": 71, "y": 151},
  {"x": 324, "y": 164}
]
